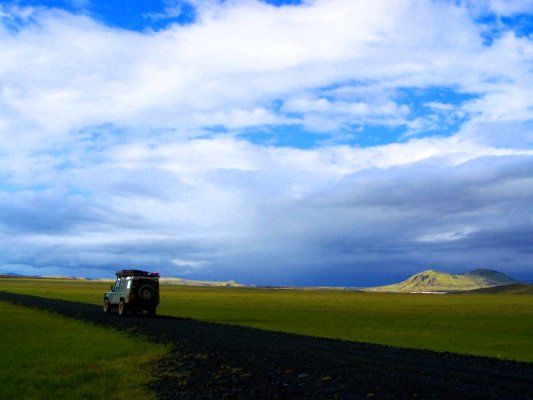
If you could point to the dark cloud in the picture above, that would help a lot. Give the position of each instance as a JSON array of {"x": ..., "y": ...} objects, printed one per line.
[
  {"x": 371, "y": 227},
  {"x": 44, "y": 212}
]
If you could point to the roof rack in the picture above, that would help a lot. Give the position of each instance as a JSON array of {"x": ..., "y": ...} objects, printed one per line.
[{"x": 136, "y": 272}]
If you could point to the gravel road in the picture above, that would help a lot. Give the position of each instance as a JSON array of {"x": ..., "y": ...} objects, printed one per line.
[{"x": 214, "y": 361}]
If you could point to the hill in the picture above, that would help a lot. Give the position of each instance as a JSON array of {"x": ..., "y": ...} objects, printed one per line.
[{"x": 431, "y": 281}]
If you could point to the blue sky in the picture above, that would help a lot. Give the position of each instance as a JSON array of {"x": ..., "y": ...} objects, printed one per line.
[{"x": 317, "y": 142}]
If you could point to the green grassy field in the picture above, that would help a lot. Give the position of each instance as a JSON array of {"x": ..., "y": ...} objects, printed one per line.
[
  {"x": 491, "y": 325},
  {"x": 45, "y": 356}
]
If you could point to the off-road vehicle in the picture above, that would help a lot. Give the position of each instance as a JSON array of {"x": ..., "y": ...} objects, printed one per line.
[{"x": 134, "y": 291}]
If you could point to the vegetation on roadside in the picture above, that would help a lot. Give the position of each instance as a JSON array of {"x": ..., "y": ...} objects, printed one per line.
[
  {"x": 483, "y": 324},
  {"x": 46, "y": 356}
]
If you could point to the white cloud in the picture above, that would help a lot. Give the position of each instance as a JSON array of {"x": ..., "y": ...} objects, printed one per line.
[
  {"x": 510, "y": 7},
  {"x": 440, "y": 236},
  {"x": 235, "y": 60},
  {"x": 228, "y": 68}
]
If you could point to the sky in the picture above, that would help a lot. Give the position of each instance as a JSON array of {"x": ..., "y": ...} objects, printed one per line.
[{"x": 312, "y": 142}]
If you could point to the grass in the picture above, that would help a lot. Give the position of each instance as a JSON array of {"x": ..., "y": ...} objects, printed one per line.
[
  {"x": 484, "y": 324},
  {"x": 45, "y": 356},
  {"x": 495, "y": 326}
]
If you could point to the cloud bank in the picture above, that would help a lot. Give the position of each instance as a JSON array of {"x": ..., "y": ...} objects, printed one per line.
[{"x": 328, "y": 143}]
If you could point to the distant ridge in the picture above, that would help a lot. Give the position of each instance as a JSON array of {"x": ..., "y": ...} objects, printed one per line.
[
  {"x": 431, "y": 281},
  {"x": 187, "y": 282},
  {"x": 163, "y": 280}
]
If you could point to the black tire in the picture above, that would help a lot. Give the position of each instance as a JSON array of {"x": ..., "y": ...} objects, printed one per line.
[
  {"x": 121, "y": 308},
  {"x": 107, "y": 306},
  {"x": 151, "y": 312},
  {"x": 146, "y": 293}
]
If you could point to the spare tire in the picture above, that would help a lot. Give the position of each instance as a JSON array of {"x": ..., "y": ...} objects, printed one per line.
[{"x": 146, "y": 293}]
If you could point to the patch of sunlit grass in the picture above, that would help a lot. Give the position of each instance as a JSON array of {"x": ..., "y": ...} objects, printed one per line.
[{"x": 48, "y": 356}]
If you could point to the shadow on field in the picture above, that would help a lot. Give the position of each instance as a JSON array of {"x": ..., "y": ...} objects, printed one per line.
[{"x": 214, "y": 361}]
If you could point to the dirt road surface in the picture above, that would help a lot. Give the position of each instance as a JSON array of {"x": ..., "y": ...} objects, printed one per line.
[{"x": 214, "y": 361}]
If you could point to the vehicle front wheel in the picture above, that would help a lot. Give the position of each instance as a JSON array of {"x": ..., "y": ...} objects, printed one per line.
[
  {"x": 107, "y": 306},
  {"x": 121, "y": 308}
]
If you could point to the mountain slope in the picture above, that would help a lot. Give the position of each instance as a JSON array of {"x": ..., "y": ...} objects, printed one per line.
[
  {"x": 490, "y": 277},
  {"x": 516, "y": 288},
  {"x": 435, "y": 281}
]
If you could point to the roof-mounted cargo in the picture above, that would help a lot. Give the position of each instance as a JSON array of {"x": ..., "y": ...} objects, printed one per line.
[{"x": 136, "y": 272}]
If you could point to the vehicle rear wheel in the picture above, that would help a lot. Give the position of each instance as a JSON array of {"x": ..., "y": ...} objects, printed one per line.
[
  {"x": 146, "y": 293},
  {"x": 107, "y": 306},
  {"x": 121, "y": 308}
]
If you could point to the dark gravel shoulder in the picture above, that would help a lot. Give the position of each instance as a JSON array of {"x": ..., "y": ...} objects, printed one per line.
[{"x": 214, "y": 361}]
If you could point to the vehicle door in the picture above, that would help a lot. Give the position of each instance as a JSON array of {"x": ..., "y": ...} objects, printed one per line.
[{"x": 115, "y": 294}]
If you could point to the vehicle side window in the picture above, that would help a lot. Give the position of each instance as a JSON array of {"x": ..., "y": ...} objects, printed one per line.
[{"x": 123, "y": 284}]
